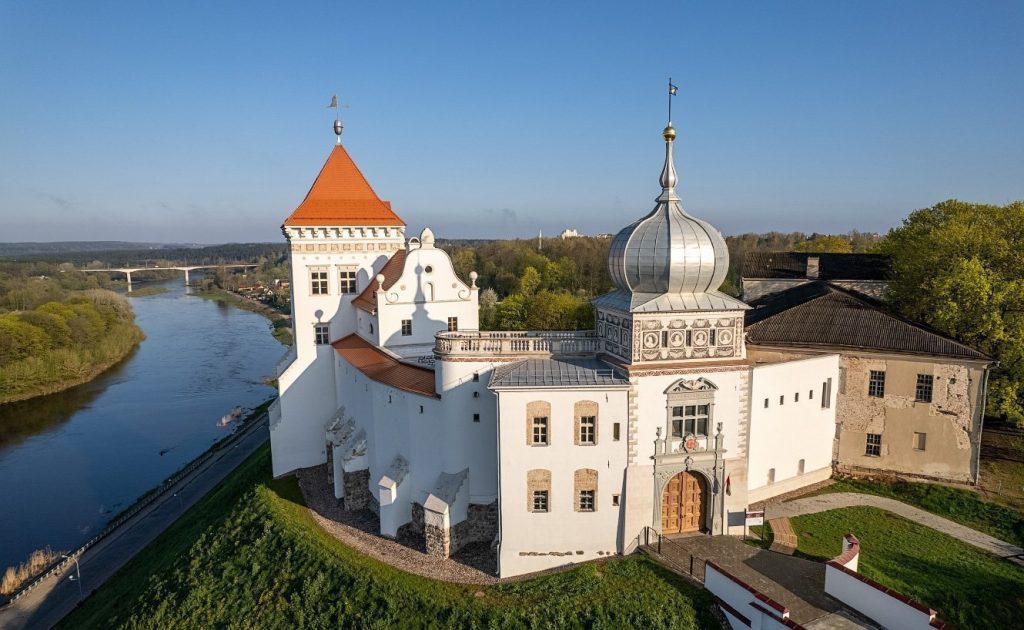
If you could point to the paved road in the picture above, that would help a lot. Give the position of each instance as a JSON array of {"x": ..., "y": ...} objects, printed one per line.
[
  {"x": 823, "y": 502},
  {"x": 49, "y": 602}
]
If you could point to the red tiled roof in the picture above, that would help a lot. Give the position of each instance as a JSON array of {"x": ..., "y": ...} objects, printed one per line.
[
  {"x": 342, "y": 196},
  {"x": 392, "y": 271},
  {"x": 383, "y": 368}
]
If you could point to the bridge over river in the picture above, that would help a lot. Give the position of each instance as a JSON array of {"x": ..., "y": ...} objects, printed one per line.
[{"x": 128, "y": 271}]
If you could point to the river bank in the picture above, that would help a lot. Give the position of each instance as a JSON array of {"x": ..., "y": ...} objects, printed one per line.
[{"x": 280, "y": 322}]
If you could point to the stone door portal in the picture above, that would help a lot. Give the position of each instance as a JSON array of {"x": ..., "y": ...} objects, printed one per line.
[{"x": 681, "y": 504}]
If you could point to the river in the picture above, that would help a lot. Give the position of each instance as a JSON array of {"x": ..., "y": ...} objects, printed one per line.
[{"x": 70, "y": 461}]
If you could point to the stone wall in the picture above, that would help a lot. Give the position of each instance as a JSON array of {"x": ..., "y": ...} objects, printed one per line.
[
  {"x": 357, "y": 489},
  {"x": 481, "y": 525}
]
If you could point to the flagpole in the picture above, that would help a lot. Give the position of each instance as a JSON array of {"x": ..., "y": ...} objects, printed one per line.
[{"x": 670, "y": 100}]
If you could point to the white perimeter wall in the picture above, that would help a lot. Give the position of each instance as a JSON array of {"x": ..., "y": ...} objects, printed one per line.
[
  {"x": 874, "y": 603},
  {"x": 561, "y": 529},
  {"x": 783, "y": 434}
]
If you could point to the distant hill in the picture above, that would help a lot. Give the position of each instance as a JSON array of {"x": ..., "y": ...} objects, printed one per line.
[{"x": 63, "y": 247}]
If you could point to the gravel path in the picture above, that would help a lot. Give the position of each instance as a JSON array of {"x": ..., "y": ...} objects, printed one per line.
[
  {"x": 823, "y": 502},
  {"x": 475, "y": 564}
]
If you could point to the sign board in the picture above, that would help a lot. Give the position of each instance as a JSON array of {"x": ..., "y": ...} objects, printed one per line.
[{"x": 754, "y": 517}]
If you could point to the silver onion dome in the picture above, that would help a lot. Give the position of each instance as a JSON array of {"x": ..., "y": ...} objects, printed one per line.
[{"x": 668, "y": 251}]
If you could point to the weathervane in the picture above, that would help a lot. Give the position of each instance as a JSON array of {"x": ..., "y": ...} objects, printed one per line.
[
  {"x": 671, "y": 92},
  {"x": 338, "y": 127}
]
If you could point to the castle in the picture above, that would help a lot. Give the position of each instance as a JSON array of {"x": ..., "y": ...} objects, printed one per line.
[{"x": 678, "y": 411}]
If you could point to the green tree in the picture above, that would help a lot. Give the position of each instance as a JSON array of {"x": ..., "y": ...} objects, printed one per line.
[
  {"x": 959, "y": 267},
  {"x": 529, "y": 281},
  {"x": 19, "y": 339},
  {"x": 825, "y": 244}
]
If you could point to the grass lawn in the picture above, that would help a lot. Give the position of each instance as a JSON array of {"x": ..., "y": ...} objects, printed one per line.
[
  {"x": 957, "y": 504},
  {"x": 968, "y": 587},
  {"x": 250, "y": 556}
]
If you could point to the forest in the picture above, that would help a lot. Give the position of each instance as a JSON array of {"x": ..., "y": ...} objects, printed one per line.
[{"x": 58, "y": 329}]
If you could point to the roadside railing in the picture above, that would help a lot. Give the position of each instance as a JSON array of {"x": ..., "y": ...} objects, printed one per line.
[
  {"x": 144, "y": 502},
  {"x": 672, "y": 553},
  {"x": 505, "y": 343}
]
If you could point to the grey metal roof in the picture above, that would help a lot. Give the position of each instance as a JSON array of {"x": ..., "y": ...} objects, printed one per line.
[
  {"x": 668, "y": 251},
  {"x": 668, "y": 302},
  {"x": 819, "y": 314},
  {"x": 556, "y": 372}
]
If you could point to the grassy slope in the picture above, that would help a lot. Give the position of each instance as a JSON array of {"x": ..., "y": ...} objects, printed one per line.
[
  {"x": 249, "y": 555},
  {"x": 969, "y": 588},
  {"x": 957, "y": 504}
]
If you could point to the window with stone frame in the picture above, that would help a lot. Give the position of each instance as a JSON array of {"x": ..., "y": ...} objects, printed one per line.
[
  {"x": 876, "y": 384},
  {"x": 538, "y": 423},
  {"x": 318, "y": 280},
  {"x": 585, "y": 489},
  {"x": 873, "y": 447},
  {"x": 585, "y": 422},
  {"x": 923, "y": 391},
  {"x": 538, "y": 490},
  {"x": 347, "y": 280},
  {"x": 691, "y": 407}
]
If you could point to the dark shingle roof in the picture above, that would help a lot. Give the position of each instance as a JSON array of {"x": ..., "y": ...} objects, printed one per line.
[
  {"x": 556, "y": 372},
  {"x": 392, "y": 271},
  {"x": 830, "y": 266},
  {"x": 819, "y": 314}
]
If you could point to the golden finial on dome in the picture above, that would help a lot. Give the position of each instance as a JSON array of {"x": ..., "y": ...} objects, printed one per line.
[{"x": 669, "y": 133}]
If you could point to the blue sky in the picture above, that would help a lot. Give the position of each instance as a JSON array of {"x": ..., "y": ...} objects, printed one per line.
[{"x": 206, "y": 121}]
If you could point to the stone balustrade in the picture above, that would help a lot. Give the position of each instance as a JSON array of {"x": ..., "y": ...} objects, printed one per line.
[{"x": 515, "y": 343}]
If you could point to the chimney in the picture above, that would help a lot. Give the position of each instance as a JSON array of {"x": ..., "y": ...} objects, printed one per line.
[{"x": 812, "y": 267}]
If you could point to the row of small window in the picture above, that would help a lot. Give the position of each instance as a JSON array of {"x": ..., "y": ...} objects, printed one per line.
[
  {"x": 873, "y": 446},
  {"x": 318, "y": 281},
  {"x": 922, "y": 391},
  {"x": 584, "y": 501},
  {"x": 826, "y": 396},
  {"x": 586, "y": 434},
  {"x": 322, "y": 332}
]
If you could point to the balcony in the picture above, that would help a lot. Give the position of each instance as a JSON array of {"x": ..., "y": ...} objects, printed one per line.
[{"x": 515, "y": 343}]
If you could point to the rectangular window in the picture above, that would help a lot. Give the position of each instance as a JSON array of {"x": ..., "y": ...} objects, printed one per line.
[
  {"x": 586, "y": 500},
  {"x": 615, "y": 432},
  {"x": 453, "y": 324},
  {"x": 919, "y": 441},
  {"x": 924, "y": 388},
  {"x": 406, "y": 327},
  {"x": 771, "y": 475},
  {"x": 810, "y": 394},
  {"x": 540, "y": 500},
  {"x": 796, "y": 397},
  {"x": 874, "y": 445},
  {"x": 347, "y": 281},
  {"x": 800, "y": 467},
  {"x": 826, "y": 394},
  {"x": 540, "y": 430},
  {"x": 322, "y": 334},
  {"x": 476, "y": 417},
  {"x": 876, "y": 384},
  {"x": 476, "y": 377},
  {"x": 782, "y": 400},
  {"x": 711, "y": 337},
  {"x": 588, "y": 429},
  {"x": 615, "y": 499},
  {"x": 318, "y": 282},
  {"x": 765, "y": 403},
  {"x": 664, "y": 339},
  {"x": 689, "y": 337},
  {"x": 688, "y": 419}
]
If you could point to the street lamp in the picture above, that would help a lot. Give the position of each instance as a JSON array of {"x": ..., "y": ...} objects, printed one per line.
[{"x": 78, "y": 571}]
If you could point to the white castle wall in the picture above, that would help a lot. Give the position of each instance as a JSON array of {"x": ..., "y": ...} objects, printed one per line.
[
  {"x": 783, "y": 434},
  {"x": 529, "y": 540}
]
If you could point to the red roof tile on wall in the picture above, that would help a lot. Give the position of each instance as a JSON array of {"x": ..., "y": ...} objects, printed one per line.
[
  {"x": 342, "y": 196},
  {"x": 379, "y": 366}
]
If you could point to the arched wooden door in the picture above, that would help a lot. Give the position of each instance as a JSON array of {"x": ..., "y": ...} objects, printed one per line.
[{"x": 682, "y": 504}]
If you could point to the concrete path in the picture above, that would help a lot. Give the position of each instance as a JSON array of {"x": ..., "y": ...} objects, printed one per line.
[
  {"x": 796, "y": 583},
  {"x": 824, "y": 502},
  {"x": 49, "y": 602}
]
